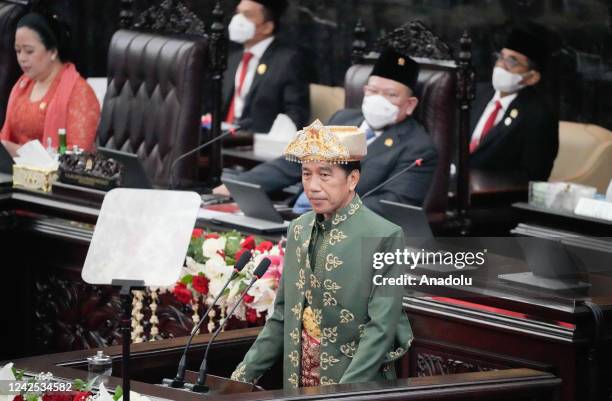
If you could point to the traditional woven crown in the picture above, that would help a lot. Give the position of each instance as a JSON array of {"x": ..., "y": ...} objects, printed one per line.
[{"x": 333, "y": 144}]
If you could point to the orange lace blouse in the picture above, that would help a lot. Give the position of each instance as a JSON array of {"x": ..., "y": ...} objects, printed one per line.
[{"x": 28, "y": 119}]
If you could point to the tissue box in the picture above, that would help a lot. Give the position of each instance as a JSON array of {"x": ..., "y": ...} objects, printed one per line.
[
  {"x": 562, "y": 196},
  {"x": 33, "y": 178},
  {"x": 268, "y": 146}
]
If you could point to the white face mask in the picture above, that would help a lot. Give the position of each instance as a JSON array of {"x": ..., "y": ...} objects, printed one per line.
[
  {"x": 241, "y": 29},
  {"x": 378, "y": 111},
  {"x": 505, "y": 81}
]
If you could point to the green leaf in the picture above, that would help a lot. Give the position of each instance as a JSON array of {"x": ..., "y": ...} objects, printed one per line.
[
  {"x": 18, "y": 373},
  {"x": 232, "y": 245},
  {"x": 118, "y": 393},
  {"x": 79, "y": 385},
  {"x": 230, "y": 261},
  {"x": 195, "y": 250},
  {"x": 31, "y": 397},
  {"x": 187, "y": 279}
]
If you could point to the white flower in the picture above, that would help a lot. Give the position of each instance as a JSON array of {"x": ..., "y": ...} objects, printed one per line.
[
  {"x": 215, "y": 267},
  {"x": 264, "y": 293},
  {"x": 192, "y": 267},
  {"x": 211, "y": 246}
]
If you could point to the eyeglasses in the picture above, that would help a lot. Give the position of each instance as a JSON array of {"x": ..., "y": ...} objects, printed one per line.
[{"x": 509, "y": 61}]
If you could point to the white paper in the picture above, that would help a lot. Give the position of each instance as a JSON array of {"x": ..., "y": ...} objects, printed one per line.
[
  {"x": 283, "y": 128},
  {"x": 599, "y": 209},
  {"x": 32, "y": 154}
]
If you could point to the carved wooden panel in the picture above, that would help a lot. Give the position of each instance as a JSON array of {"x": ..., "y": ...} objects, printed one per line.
[
  {"x": 171, "y": 16},
  {"x": 431, "y": 364}
]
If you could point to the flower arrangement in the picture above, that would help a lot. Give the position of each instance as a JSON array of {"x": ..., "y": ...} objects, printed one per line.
[{"x": 209, "y": 264}]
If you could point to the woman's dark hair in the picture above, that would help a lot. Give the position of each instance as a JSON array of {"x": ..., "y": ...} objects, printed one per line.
[
  {"x": 350, "y": 166},
  {"x": 53, "y": 33}
]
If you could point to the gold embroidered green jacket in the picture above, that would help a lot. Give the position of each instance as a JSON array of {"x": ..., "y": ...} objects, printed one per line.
[{"x": 363, "y": 326}]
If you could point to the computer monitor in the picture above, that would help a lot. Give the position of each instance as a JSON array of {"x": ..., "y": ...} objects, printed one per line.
[
  {"x": 134, "y": 174},
  {"x": 412, "y": 219},
  {"x": 551, "y": 266},
  {"x": 252, "y": 200}
]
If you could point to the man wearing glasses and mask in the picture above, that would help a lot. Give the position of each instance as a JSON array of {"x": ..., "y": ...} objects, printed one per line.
[
  {"x": 263, "y": 78},
  {"x": 395, "y": 140},
  {"x": 516, "y": 132}
]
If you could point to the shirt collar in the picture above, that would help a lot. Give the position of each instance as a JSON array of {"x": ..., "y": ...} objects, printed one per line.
[
  {"x": 340, "y": 215},
  {"x": 259, "y": 48},
  {"x": 505, "y": 101}
]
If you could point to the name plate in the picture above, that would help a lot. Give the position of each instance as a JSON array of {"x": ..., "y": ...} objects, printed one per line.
[{"x": 596, "y": 208}]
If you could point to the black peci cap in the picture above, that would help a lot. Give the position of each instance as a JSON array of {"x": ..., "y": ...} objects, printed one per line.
[{"x": 397, "y": 67}]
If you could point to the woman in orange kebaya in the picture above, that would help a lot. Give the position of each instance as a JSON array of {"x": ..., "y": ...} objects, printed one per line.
[{"x": 50, "y": 94}]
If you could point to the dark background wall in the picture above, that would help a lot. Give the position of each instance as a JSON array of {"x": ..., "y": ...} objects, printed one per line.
[{"x": 323, "y": 29}]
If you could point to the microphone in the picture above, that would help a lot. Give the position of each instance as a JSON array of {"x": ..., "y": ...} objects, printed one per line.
[
  {"x": 417, "y": 162},
  {"x": 197, "y": 148},
  {"x": 200, "y": 384},
  {"x": 179, "y": 379}
]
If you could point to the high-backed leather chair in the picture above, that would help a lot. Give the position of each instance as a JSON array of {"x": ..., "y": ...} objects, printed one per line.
[
  {"x": 436, "y": 111},
  {"x": 152, "y": 106},
  {"x": 10, "y": 13}
]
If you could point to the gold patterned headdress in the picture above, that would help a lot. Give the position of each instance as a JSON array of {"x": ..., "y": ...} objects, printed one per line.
[{"x": 333, "y": 144}]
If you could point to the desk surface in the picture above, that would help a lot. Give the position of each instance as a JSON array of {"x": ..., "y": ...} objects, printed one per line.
[{"x": 155, "y": 359}]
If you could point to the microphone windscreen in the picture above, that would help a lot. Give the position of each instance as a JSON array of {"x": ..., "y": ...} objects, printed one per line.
[
  {"x": 242, "y": 261},
  {"x": 261, "y": 269}
]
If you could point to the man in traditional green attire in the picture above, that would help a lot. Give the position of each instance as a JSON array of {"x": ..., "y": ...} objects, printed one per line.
[{"x": 331, "y": 324}]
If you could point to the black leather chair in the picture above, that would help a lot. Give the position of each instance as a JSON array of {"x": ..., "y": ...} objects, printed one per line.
[
  {"x": 10, "y": 13},
  {"x": 436, "y": 90},
  {"x": 153, "y": 101}
]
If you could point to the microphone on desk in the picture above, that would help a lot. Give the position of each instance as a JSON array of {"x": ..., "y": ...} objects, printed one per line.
[
  {"x": 179, "y": 379},
  {"x": 231, "y": 131},
  {"x": 417, "y": 163},
  {"x": 200, "y": 384}
]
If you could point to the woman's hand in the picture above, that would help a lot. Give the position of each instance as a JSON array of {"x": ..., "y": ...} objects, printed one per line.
[{"x": 11, "y": 147}]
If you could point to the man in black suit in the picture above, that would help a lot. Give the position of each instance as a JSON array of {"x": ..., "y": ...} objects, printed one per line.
[
  {"x": 264, "y": 78},
  {"x": 515, "y": 131},
  {"x": 395, "y": 141}
]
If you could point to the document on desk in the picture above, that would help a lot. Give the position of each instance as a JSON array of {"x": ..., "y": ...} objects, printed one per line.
[{"x": 596, "y": 208}]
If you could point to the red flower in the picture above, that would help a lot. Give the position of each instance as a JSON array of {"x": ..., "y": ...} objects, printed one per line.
[
  {"x": 212, "y": 235},
  {"x": 81, "y": 395},
  {"x": 251, "y": 315},
  {"x": 196, "y": 233},
  {"x": 18, "y": 397},
  {"x": 248, "y": 243},
  {"x": 57, "y": 396},
  {"x": 264, "y": 246},
  {"x": 200, "y": 284},
  {"x": 181, "y": 293},
  {"x": 248, "y": 299}
]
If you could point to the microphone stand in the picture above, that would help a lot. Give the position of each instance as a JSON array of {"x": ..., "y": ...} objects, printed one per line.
[
  {"x": 179, "y": 379},
  {"x": 200, "y": 384}
]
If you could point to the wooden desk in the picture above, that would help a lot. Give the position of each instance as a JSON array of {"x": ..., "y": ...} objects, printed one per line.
[
  {"x": 56, "y": 312},
  {"x": 494, "y": 325},
  {"x": 159, "y": 359},
  {"x": 565, "y": 221}
]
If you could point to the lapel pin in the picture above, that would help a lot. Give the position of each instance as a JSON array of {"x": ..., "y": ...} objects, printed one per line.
[
  {"x": 514, "y": 113},
  {"x": 401, "y": 61},
  {"x": 508, "y": 121},
  {"x": 43, "y": 105},
  {"x": 388, "y": 142},
  {"x": 261, "y": 69}
]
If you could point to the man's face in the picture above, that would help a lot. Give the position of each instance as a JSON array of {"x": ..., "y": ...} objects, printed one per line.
[
  {"x": 396, "y": 93},
  {"x": 255, "y": 12},
  {"x": 517, "y": 63},
  {"x": 328, "y": 187}
]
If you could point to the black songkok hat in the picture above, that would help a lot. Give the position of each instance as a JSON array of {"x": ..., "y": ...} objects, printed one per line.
[
  {"x": 530, "y": 43},
  {"x": 275, "y": 7},
  {"x": 397, "y": 67}
]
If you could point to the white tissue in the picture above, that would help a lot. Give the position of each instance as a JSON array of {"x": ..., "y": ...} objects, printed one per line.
[
  {"x": 32, "y": 154},
  {"x": 6, "y": 376},
  {"x": 273, "y": 143}
]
